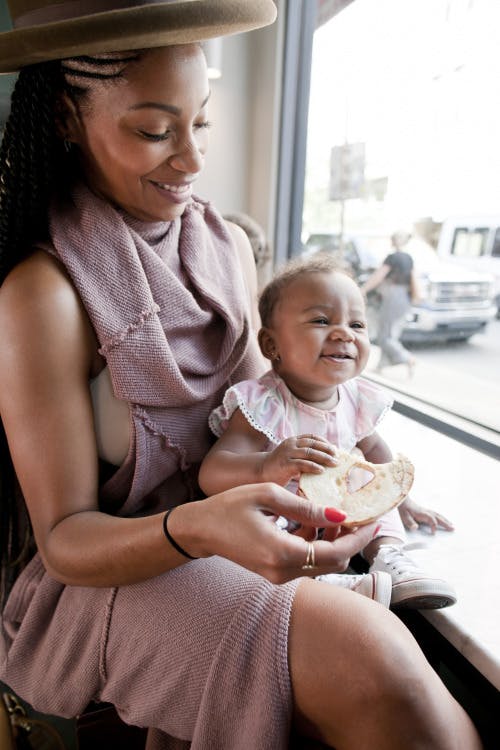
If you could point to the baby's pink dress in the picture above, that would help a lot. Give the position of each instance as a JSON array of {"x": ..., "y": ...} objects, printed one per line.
[{"x": 272, "y": 409}]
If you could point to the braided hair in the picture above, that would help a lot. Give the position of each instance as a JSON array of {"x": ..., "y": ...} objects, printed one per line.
[{"x": 35, "y": 167}]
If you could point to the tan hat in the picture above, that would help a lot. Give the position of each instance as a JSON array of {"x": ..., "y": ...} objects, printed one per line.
[{"x": 54, "y": 29}]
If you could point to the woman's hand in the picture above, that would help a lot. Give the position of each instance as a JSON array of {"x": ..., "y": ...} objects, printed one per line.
[
  {"x": 239, "y": 524},
  {"x": 307, "y": 454},
  {"x": 413, "y": 515}
]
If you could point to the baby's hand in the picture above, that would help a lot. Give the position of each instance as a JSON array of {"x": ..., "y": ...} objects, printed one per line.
[
  {"x": 304, "y": 453},
  {"x": 413, "y": 515}
]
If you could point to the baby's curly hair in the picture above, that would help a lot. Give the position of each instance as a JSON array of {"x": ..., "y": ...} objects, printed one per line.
[{"x": 272, "y": 292}]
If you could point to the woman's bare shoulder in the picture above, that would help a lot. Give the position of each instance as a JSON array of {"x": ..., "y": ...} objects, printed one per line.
[
  {"x": 40, "y": 305},
  {"x": 40, "y": 275}
]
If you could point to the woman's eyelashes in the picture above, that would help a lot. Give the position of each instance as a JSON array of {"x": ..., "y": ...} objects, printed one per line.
[
  {"x": 167, "y": 133},
  {"x": 155, "y": 136}
]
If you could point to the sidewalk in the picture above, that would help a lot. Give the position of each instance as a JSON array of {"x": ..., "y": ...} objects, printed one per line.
[{"x": 465, "y": 395}]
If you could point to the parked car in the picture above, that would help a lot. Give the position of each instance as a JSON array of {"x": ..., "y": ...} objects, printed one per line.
[
  {"x": 456, "y": 302},
  {"x": 473, "y": 242}
]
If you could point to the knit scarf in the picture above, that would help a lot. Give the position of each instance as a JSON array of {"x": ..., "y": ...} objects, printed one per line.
[{"x": 167, "y": 302}]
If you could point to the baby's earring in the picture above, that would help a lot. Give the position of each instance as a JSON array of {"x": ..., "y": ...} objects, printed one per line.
[{"x": 275, "y": 356}]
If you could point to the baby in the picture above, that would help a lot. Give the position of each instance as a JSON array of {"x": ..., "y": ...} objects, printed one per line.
[{"x": 314, "y": 333}]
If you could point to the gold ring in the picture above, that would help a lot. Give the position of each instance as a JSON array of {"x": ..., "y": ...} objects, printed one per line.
[{"x": 310, "y": 562}]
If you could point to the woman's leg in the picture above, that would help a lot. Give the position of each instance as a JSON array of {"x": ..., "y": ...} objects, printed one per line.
[
  {"x": 392, "y": 316},
  {"x": 361, "y": 682}
]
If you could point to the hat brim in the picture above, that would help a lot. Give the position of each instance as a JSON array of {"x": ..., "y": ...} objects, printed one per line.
[{"x": 141, "y": 27}]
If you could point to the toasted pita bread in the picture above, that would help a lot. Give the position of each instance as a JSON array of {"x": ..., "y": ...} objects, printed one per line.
[{"x": 387, "y": 488}]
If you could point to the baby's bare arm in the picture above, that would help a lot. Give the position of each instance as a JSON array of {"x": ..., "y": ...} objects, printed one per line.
[
  {"x": 412, "y": 514},
  {"x": 375, "y": 449},
  {"x": 239, "y": 457},
  {"x": 235, "y": 459}
]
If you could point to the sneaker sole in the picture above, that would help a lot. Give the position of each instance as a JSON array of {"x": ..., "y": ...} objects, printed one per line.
[
  {"x": 422, "y": 594},
  {"x": 424, "y": 602}
]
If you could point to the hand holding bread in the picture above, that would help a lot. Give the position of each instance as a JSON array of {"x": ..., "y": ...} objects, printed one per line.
[{"x": 390, "y": 484}]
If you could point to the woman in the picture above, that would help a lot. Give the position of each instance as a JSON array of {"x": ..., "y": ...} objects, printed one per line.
[
  {"x": 125, "y": 293},
  {"x": 396, "y": 282}
]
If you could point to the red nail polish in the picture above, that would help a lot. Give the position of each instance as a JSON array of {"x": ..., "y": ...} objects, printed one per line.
[
  {"x": 332, "y": 514},
  {"x": 377, "y": 529}
]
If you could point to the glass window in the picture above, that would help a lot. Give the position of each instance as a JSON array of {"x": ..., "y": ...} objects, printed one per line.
[
  {"x": 495, "y": 250},
  {"x": 396, "y": 143},
  {"x": 469, "y": 243}
]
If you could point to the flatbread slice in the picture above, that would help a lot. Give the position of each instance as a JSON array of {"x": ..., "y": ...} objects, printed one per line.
[{"x": 388, "y": 487}]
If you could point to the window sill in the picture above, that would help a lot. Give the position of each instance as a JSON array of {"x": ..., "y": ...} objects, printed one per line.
[{"x": 462, "y": 484}]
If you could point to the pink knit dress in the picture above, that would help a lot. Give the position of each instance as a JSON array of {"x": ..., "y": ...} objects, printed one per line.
[{"x": 199, "y": 654}]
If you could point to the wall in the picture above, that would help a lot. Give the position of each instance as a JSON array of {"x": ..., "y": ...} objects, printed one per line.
[
  {"x": 6, "y": 81},
  {"x": 241, "y": 167},
  {"x": 223, "y": 178},
  {"x": 265, "y": 92}
]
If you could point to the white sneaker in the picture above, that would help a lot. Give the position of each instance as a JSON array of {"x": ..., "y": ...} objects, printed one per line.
[
  {"x": 412, "y": 587},
  {"x": 376, "y": 585}
]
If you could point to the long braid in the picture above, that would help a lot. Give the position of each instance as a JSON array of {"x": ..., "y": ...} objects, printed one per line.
[
  {"x": 28, "y": 165},
  {"x": 34, "y": 168},
  {"x": 31, "y": 156}
]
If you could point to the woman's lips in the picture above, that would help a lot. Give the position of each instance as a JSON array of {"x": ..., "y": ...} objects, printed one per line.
[{"x": 174, "y": 193}]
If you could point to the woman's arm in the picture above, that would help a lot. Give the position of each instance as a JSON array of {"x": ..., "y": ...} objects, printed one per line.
[
  {"x": 375, "y": 279},
  {"x": 47, "y": 354},
  {"x": 415, "y": 291}
]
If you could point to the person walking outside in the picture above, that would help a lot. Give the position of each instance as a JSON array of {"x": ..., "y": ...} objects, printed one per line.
[{"x": 395, "y": 280}]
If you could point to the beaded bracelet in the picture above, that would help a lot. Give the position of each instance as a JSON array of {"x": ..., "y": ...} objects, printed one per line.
[{"x": 172, "y": 540}]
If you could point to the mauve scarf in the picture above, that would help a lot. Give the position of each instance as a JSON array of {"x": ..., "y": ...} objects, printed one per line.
[{"x": 168, "y": 304}]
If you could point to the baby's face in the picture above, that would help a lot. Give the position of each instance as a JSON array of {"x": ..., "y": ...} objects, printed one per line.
[{"x": 320, "y": 332}]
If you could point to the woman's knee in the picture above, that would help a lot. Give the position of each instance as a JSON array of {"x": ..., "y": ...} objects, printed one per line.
[
  {"x": 350, "y": 634},
  {"x": 350, "y": 658}
]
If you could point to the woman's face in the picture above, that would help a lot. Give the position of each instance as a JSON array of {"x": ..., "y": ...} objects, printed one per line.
[{"x": 143, "y": 137}]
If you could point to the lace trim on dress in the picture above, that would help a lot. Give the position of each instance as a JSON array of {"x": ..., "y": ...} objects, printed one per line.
[{"x": 233, "y": 400}]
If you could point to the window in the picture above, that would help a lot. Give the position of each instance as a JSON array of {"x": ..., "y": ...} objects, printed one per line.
[
  {"x": 394, "y": 140},
  {"x": 495, "y": 250},
  {"x": 470, "y": 244}
]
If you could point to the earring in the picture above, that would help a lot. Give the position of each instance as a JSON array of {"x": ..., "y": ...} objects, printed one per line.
[{"x": 67, "y": 146}]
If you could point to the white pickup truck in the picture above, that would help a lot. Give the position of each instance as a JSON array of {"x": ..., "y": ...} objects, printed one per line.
[
  {"x": 473, "y": 242},
  {"x": 456, "y": 302}
]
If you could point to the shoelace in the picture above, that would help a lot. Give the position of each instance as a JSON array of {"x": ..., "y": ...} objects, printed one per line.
[{"x": 395, "y": 556}]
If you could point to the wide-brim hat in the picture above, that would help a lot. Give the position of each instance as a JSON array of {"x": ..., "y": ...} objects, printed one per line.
[{"x": 53, "y": 29}]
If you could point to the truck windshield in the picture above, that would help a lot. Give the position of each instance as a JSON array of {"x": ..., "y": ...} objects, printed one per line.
[{"x": 469, "y": 243}]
